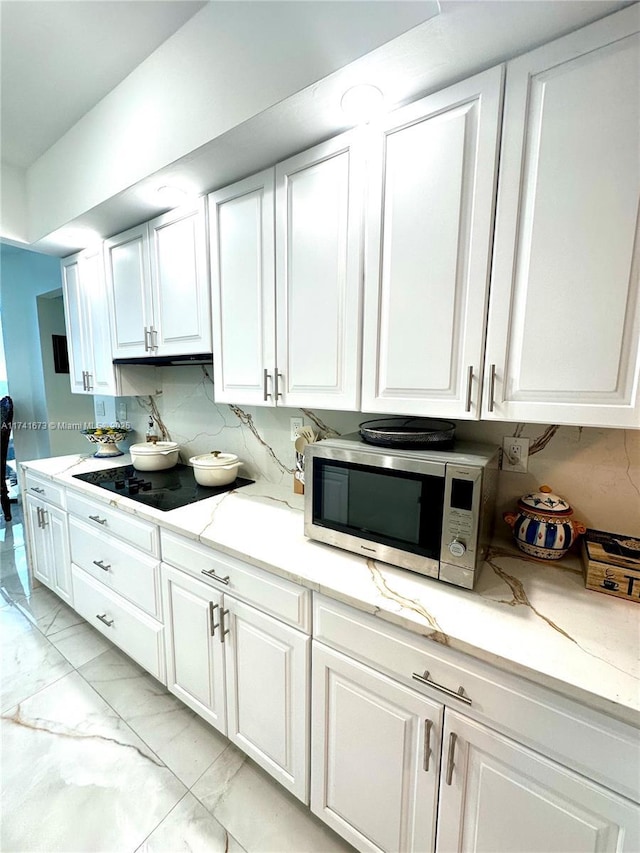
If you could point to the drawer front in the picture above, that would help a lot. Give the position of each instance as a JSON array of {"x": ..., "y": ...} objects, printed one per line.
[
  {"x": 122, "y": 568},
  {"x": 281, "y": 598},
  {"x": 597, "y": 746},
  {"x": 137, "y": 634},
  {"x": 47, "y": 490},
  {"x": 137, "y": 532}
]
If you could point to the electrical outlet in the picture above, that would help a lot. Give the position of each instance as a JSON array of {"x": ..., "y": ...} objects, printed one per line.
[
  {"x": 515, "y": 454},
  {"x": 99, "y": 408},
  {"x": 295, "y": 423},
  {"x": 121, "y": 411}
]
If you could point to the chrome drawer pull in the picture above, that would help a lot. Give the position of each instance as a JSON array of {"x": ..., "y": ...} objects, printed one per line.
[
  {"x": 223, "y": 613},
  {"x": 98, "y": 519},
  {"x": 37, "y": 490},
  {"x": 101, "y": 565},
  {"x": 492, "y": 386},
  {"x": 103, "y": 618},
  {"x": 210, "y": 573},
  {"x": 450, "y": 762},
  {"x": 467, "y": 407},
  {"x": 459, "y": 694},
  {"x": 214, "y": 625},
  {"x": 428, "y": 724}
]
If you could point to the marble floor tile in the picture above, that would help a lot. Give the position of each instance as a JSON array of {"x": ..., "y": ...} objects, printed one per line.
[
  {"x": 190, "y": 827},
  {"x": 44, "y": 609},
  {"x": 75, "y": 777},
  {"x": 260, "y": 814},
  {"x": 14, "y": 573},
  {"x": 28, "y": 661},
  {"x": 185, "y": 742},
  {"x": 79, "y": 643}
]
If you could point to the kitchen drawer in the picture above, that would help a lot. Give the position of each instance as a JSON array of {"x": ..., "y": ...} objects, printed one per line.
[
  {"x": 137, "y": 634},
  {"x": 283, "y": 599},
  {"x": 45, "y": 489},
  {"x": 546, "y": 721},
  {"x": 142, "y": 534},
  {"x": 122, "y": 568}
]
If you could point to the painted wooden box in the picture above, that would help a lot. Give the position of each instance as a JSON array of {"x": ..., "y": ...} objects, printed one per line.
[{"x": 612, "y": 563}]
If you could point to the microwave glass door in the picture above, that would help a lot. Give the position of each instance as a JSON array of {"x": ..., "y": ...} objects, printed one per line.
[{"x": 395, "y": 508}]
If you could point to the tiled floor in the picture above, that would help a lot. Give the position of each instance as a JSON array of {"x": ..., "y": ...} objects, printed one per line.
[{"x": 98, "y": 756}]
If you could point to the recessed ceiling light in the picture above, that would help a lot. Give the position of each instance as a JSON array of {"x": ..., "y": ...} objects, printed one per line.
[
  {"x": 363, "y": 102},
  {"x": 171, "y": 195},
  {"x": 77, "y": 237}
]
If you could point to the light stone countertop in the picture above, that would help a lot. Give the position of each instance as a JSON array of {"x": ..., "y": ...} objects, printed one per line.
[{"x": 529, "y": 618}]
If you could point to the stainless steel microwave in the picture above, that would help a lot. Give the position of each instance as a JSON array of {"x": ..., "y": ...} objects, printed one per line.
[{"x": 427, "y": 511}]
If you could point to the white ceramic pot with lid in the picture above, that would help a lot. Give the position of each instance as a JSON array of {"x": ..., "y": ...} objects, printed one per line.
[
  {"x": 215, "y": 468},
  {"x": 154, "y": 456},
  {"x": 542, "y": 525}
]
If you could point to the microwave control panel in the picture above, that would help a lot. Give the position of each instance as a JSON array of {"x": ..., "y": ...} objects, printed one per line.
[{"x": 461, "y": 513}]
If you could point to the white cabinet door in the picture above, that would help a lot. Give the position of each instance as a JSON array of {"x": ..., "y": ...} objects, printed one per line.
[
  {"x": 102, "y": 376},
  {"x": 267, "y": 669},
  {"x": 50, "y": 546},
  {"x": 564, "y": 323},
  {"x": 375, "y": 756},
  {"x": 195, "y": 659},
  {"x": 77, "y": 324},
  {"x": 180, "y": 279},
  {"x": 129, "y": 287},
  {"x": 499, "y": 797},
  {"x": 318, "y": 276},
  {"x": 243, "y": 290},
  {"x": 429, "y": 229}
]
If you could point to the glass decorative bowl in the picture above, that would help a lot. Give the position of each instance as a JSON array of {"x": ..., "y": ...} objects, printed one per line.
[{"x": 106, "y": 439}]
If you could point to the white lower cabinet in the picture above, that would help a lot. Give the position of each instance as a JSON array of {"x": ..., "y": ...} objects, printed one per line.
[
  {"x": 397, "y": 767},
  {"x": 497, "y": 796},
  {"x": 375, "y": 756},
  {"x": 47, "y": 525},
  {"x": 243, "y": 671}
]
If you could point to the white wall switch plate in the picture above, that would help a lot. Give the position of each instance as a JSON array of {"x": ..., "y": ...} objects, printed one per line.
[
  {"x": 515, "y": 454},
  {"x": 295, "y": 423}
]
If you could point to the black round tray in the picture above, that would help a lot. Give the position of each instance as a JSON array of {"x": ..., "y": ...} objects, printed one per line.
[{"x": 409, "y": 433}]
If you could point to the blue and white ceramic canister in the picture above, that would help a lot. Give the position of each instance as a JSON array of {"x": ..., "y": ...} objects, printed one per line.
[{"x": 542, "y": 525}]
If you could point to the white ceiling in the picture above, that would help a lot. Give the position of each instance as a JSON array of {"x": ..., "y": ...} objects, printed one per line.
[{"x": 60, "y": 57}]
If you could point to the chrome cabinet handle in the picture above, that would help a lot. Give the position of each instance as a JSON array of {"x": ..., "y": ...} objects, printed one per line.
[
  {"x": 212, "y": 608},
  {"x": 428, "y": 724},
  {"x": 101, "y": 565},
  {"x": 450, "y": 762},
  {"x": 37, "y": 490},
  {"x": 467, "y": 407},
  {"x": 39, "y": 516},
  {"x": 492, "y": 386},
  {"x": 146, "y": 339},
  {"x": 224, "y": 631},
  {"x": 89, "y": 381},
  {"x": 210, "y": 573},
  {"x": 265, "y": 376},
  {"x": 153, "y": 338},
  {"x": 98, "y": 519},
  {"x": 84, "y": 381},
  {"x": 277, "y": 376},
  {"x": 44, "y": 517},
  {"x": 103, "y": 618},
  {"x": 459, "y": 694}
]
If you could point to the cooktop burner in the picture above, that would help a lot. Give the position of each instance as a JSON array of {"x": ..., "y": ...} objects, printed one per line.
[{"x": 163, "y": 490}]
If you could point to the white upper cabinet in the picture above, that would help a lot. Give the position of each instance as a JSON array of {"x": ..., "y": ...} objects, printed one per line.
[
  {"x": 319, "y": 276},
  {"x": 87, "y": 320},
  {"x": 243, "y": 289},
  {"x": 159, "y": 286},
  {"x": 429, "y": 219},
  {"x": 564, "y": 325},
  {"x": 287, "y": 281}
]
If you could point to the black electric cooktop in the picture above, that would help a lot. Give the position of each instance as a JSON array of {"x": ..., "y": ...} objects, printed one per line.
[{"x": 163, "y": 490}]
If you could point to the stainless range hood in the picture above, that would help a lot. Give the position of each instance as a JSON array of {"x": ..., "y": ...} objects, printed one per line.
[{"x": 168, "y": 360}]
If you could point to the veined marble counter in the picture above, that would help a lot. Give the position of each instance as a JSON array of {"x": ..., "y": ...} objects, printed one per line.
[{"x": 533, "y": 619}]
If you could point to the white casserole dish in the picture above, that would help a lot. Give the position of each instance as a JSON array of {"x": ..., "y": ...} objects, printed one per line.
[
  {"x": 156, "y": 456},
  {"x": 215, "y": 468}
]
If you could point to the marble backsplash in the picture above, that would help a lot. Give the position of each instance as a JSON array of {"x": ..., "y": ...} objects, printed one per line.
[{"x": 596, "y": 470}]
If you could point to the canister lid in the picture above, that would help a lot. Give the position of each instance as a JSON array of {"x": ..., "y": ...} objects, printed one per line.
[
  {"x": 149, "y": 448},
  {"x": 545, "y": 501}
]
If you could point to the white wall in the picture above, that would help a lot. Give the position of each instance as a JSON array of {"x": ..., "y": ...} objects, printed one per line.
[{"x": 13, "y": 203}]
